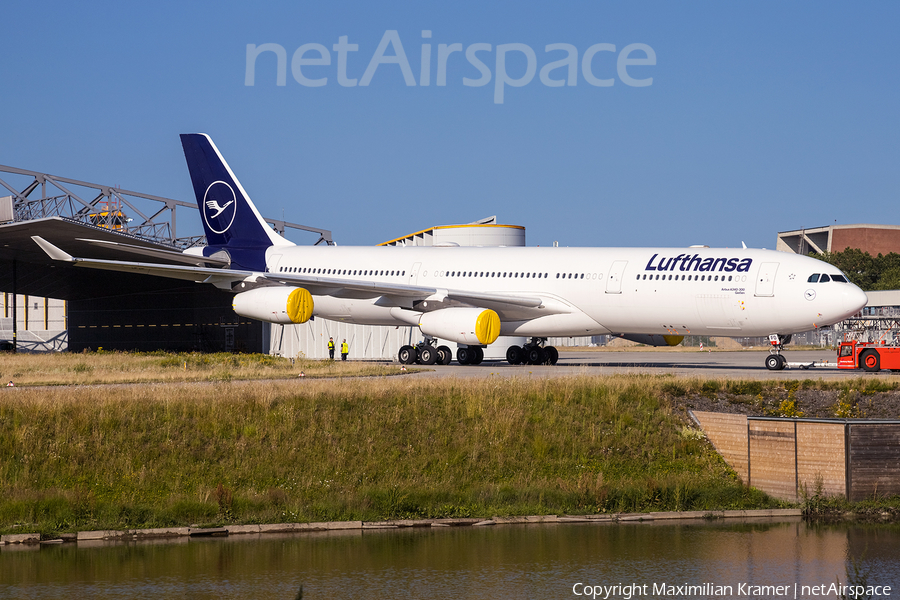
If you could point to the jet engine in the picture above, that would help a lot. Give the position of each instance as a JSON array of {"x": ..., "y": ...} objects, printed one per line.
[
  {"x": 470, "y": 326},
  {"x": 275, "y": 304},
  {"x": 652, "y": 339}
]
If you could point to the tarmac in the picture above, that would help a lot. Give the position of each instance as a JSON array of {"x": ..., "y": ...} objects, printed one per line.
[{"x": 741, "y": 364}]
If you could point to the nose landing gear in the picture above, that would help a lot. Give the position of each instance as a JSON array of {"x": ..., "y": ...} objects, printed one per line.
[{"x": 775, "y": 361}]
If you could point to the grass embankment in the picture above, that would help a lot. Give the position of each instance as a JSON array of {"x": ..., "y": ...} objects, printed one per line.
[
  {"x": 141, "y": 367},
  {"x": 369, "y": 449}
]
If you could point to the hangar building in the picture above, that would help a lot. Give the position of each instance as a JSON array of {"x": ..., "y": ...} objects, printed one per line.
[{"x": 874, "y": 239}]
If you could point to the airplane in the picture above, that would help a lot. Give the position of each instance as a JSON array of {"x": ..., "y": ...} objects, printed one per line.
[{"x": 474, "y": 295}]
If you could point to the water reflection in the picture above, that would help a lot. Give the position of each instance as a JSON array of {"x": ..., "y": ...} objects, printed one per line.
[{"x": 509, "y": 561}]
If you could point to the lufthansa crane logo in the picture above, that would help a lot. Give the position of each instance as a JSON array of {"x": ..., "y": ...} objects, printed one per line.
[{"x": 219, "y": 206}]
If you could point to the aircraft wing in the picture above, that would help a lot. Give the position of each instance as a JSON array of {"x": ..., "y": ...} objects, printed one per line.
[
  {"x": 347, "y": 288},
  {"x": 171, "y": 255},
  {"x": 222, "y": 277},
  {"x": 371, "y": 289}
]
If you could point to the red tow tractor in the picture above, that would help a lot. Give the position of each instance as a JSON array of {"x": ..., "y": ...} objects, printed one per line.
[{"x": 868, "y": 356}]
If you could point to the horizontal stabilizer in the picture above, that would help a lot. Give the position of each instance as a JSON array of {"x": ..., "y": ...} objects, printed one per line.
[{"x": 51, "y": 250}]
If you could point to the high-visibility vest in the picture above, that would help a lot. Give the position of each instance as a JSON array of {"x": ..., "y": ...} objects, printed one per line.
[
  {"x": 345, "y": 349},
  {"x": 330, "y": 345}
]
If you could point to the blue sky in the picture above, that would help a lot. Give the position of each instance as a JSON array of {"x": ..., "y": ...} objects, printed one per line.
[{"x": 761, "y": 116}]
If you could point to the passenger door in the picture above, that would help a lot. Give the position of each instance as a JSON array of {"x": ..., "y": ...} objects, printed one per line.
[
  {"x": 765, "y": 279},
  {"x": 614, "y": 280},
  {"x": 414, "y": 273}
]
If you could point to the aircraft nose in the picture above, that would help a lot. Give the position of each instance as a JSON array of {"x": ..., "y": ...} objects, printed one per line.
[{"x": 854, "y": 300}]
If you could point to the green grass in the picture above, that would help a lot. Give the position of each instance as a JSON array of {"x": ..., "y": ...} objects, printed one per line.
[
  {"x": 350, "y": 448},
  {"x": 147, "y": 367}
]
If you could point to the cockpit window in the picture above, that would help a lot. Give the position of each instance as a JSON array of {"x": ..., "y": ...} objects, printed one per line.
[{"x": 824, "y": 277}]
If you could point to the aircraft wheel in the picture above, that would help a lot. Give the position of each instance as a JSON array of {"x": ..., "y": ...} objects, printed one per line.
[
  {"x": 479, "y": 356},
  {"x": 553, "y": 355},
  {"x": 407, "y": 355},
  {"x": 514, "y": 355},
  {"x": 533, "y": 355},
  {"x": 427, "y": 355},
  {"x": 464, "y": 356},
  {"x": 774, "y": 362},
  {"x": 445, "y": 355},
  {"x": 870, "y": 360}
]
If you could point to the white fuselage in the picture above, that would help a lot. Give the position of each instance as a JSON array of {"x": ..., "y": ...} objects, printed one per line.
[{"x": 589, "y": 291}]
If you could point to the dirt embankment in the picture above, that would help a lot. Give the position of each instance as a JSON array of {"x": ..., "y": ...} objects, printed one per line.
[{"x": 790, "y": 401}]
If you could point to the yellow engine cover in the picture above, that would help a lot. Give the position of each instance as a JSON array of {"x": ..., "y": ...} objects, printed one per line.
[
  {"x": 300, "y": 305},
  {"x": 673, "y": 340},
  {"x": 487, "y": 327}
]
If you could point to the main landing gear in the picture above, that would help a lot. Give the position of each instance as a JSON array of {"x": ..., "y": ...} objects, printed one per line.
[
  {"x": 470, "y": 355},
  {"x": 775, "y": 361},
  {"x": 425, "y": 353},
  {"x": 533, "y": 353}
]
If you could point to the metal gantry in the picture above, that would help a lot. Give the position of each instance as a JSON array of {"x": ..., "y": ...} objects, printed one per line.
[{"x": 133, "y": 213}]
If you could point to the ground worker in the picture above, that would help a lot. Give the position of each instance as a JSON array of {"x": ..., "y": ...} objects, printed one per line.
[
  {"x": 345, "y": 350},
  {"x": 331, "y": 348}
]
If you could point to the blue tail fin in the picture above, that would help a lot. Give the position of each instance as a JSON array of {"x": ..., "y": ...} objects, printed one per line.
[{"x": 230, "y": 219}]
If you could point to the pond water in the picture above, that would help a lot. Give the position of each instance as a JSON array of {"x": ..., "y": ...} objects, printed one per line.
[{"x": 725, "y": 559}]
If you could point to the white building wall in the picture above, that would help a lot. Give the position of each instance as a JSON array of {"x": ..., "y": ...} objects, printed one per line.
[
  {"x": 310, "y": 340},
  {"x": 367, "y": 342},
  {"x": 41, "y": 322}
]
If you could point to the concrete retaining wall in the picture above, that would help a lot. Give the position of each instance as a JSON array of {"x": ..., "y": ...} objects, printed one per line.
[{"x": 785, "y": 457}]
